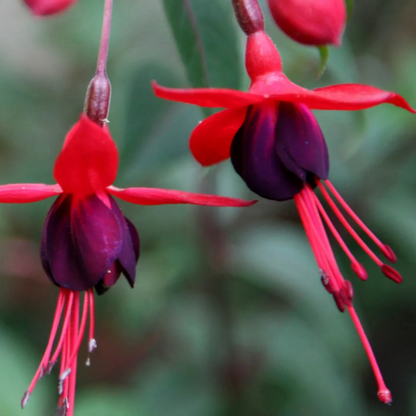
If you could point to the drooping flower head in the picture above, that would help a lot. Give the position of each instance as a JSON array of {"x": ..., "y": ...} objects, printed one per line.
[
  {"x": 311, "y": 22},
  {"x": 278, "y": 148},
  {"x": 87, "y": 243},
  {"x": 49, "y": 7}
]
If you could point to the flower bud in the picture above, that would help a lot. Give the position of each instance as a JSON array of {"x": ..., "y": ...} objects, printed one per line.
[
  {"x": 49, "y": 7},
  {"x": 311, "y": 22}
]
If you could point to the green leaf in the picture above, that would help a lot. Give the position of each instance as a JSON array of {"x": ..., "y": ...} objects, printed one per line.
[
  {"x": 324, "y": 54},
  {"x": 350, "y": 7},
  {"x": 206, "y": 38}
]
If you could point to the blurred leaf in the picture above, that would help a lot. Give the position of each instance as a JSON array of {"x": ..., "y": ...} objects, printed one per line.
[
  {"x": 18, "y": 366},
  {"x": 144, "y": 109},
  {"x": 205, "y": 34}
]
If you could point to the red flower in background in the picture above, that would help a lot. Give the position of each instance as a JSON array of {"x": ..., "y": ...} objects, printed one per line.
[
  {"x": 49, "y": 7},
  {"x": 277, "y": 147},
  {"x": 311, "y": 22},
  {"x": 86, "y": 241}
]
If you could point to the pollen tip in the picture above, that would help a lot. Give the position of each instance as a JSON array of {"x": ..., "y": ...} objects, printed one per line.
[
  {"x": 88, "y": 362},
  {"x": 42, "y": 372},
  {"x": 25, "y": 399},
  {"x": 49, "y": 367},
  {"x": 92, "y": 345},
  {"x": 389, "y": 253},
  {"x": 385, "y": 396},
  {"x": 391, "y": 273},
  {"x": 359, "y": 270}
]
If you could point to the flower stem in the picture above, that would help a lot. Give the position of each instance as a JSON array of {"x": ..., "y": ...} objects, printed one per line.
[
  {"x": 105, "y": 38},
  {"x": 249, "y": 15},
  {"x": 97, "y": 100}
]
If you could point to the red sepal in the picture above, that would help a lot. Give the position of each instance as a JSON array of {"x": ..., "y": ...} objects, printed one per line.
[
  {"x": 155, "y": 196},
  {"x": 208, "y": 97},
  {"x": 21, "y": 193},
  {"x": 211, "y": 139},
  {"x": 89, "y": 159},
  {"x": 48, "y": 7}
]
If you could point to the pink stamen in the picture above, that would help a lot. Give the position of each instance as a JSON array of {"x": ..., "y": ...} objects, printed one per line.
[
  {"x": 58, "y": 349},
  {"x": 355, "y": 265},
  {"x": 345, "y": 223},
  {"x": 78, "y": 337},
  {"x": 386, "y": 250},
  {"x": 45, "y": 359},
  {"x": 383, "y": 392},
  {"x": 67, "y": 347},
  {"x": 310, "y": 210}
]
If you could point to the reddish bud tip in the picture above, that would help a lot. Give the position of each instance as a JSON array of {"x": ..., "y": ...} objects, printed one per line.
[
  {"x": 311, "y": 22},
  {"x": 359, "y": 270},
  {"x": 389, "y": 253},
  {"x": 25, "y": 399},
  {"x": 49, "y": 7},
  {"x": 385, "y": 396},
  {"x": 249, "y": 15},
  {"x": 391, "y": 273}
]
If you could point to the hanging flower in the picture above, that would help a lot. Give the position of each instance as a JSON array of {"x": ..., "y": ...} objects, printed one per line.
[
  {"x": 311, "y": 22},
  {"x": 277, "y": 147},
  {"x": 86, "y": 241},
  {"x": 49, "y": 7}
]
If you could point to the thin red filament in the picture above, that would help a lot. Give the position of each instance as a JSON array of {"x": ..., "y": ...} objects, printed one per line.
[
  {"x": 67, "y": 347},
  {"x": 310, "y": 211}
]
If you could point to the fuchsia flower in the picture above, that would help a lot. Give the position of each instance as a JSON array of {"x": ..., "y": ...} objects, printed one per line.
[
  {"x": 86, "y": 241},
  {"x": 49, "y": 7},
  {"x": 277, "y": 147},
  {"x": 311, "y": 22}
]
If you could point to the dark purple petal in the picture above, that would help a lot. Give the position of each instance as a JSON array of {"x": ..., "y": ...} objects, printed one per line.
[
  {"x": 300, "y": 143},
  {"x": 81, "y": 241},
  {"x": 110, "y": 278},
  {"x": 129, "y": 254},
  {"x": 255, "y": 159}
]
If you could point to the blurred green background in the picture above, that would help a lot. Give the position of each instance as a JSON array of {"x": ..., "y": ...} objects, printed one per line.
[{"x": 228, "y": 316}]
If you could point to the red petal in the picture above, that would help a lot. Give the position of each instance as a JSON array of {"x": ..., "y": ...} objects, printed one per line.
[
  {"x": 155, "y": 196},
  {"x": 48, "y": 7},
  {"x": 21, "y": 193},
  {"x": 88, "y": 161},
  {"x": 208, "y": 97},
  {"x": 210, "y": 141}
]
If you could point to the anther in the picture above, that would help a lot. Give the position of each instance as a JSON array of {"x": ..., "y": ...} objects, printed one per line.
[
  {"x": 385, "y": 396},
  {"x": 50, "y": 366},
  {"x": 25, "y": 399},
  {"x": 42, "y": 372},
  {"x": 348, "y": 292},
  {"x": 359, "y": 270},
  {"x": 62, "y": 378},
  {"x": 391, "y": 273},
  {"x": 388, "y": 253},
  {"x": 92, "y": 345},
  {"x": 339, "y": 301}
]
